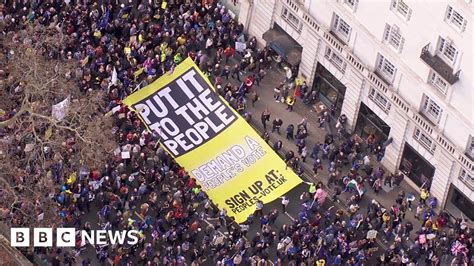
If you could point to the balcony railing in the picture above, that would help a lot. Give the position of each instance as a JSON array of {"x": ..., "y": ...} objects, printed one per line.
[
  {"x": 466, "y": 162},
  {"x": 374, "y": 77},
  {"x": 336, "y": 43},
  {"x": 439, "y": 66}
]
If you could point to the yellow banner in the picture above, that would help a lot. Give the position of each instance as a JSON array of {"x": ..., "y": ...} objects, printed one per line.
[{"x": 230, "y": 161}]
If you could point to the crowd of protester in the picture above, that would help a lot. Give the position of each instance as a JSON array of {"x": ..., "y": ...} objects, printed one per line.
[{"x": 143, "y": 40}]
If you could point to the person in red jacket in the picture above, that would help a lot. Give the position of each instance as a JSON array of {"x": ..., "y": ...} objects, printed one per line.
[{"x": 228, "y": 52}]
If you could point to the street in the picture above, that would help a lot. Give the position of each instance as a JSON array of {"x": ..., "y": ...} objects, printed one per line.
[
  {"x": 316, "y": 134},
  {"x": 96, "y": 157}
]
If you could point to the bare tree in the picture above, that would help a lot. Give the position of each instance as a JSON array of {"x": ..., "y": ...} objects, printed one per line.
[{"x": 34, "y": 77}]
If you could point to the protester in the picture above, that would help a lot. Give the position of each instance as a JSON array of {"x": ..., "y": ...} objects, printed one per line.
[
  {"x": 284, "y": 203},
  {"x": 150, "y": 192},
  {"x": 290, "y": 101},
  {"x": 265, "y": 117},
  {"x": 258, "y": 209},
  {"x": 277, "y": 123},
  {"x": 290, "y": 131}
]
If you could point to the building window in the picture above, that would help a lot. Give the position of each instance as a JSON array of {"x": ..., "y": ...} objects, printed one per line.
[
  {"x": 292, "y": 19},
  {"x": 335, "y": 59},
  {"x": 438, "y": 82},
  {"x": 470, "y": 148},
  {"x": 393, "y": 37},
  {"x": 352, "y": 4},
  {"x": 401, "y": 8},
  {"x": 424, "y": 140},
  {"x": 379, "y": 99},
  {"x": 447, "y": 50},
  {"x": 466, "y": 178},
  {"x": 284, "y": 12},
  {"x": 454, "y": 18},
  {"x": 386, "y": 68},
  {"x": 341, "y": 28},
  {"x": 431, "y": 109}
]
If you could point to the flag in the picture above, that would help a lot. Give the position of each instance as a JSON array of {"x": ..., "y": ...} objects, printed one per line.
[
  {"x": 123, "y": 13},
  {"x": 353, "y": 184},
  {"x": 72, "y": 178},
  {"x": 242, "y": 90},
  {"x": 105, "y": 20},
  {"x": 458, "y": 248}
]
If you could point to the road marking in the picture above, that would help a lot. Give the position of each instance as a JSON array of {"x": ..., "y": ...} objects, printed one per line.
[
  {"x": 208, "y": 223},
  {"x": 291, "y": 217},
  {"x": 382, "y": 244}
]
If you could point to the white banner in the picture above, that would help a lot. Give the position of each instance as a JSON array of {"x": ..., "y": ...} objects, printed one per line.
[{"x": 60, "y": 110}]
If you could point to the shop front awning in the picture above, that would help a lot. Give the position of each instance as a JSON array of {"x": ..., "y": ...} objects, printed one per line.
[{"x": 282, "y": 43}]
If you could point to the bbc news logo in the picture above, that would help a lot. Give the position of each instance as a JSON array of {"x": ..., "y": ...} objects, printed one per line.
[{"x": 66, "y": 237}]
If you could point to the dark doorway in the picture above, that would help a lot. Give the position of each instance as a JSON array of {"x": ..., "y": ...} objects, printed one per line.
[
  {"x": 282, "y": 44},
  {"x": 369, "y": 123},
  {"x": 461, "y": 202},
  {"x": 419, "y": 170},
  {"x": 330, "y": 90}
]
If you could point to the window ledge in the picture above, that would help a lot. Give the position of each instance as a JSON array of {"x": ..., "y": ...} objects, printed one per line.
[
  {"x": 428, "y": 119},
  {"x": 335, "y": 35}
]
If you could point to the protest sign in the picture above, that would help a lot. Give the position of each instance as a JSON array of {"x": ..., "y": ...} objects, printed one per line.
[
  {"x": 125, "y": 155},
  {"x": 230, "y": 161},
  {"x": 95, "y": 184},
  {"x": 240, "y": 46},
  {"x": 371, "y": 234},
  {"x": 60, "y": 110}
]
